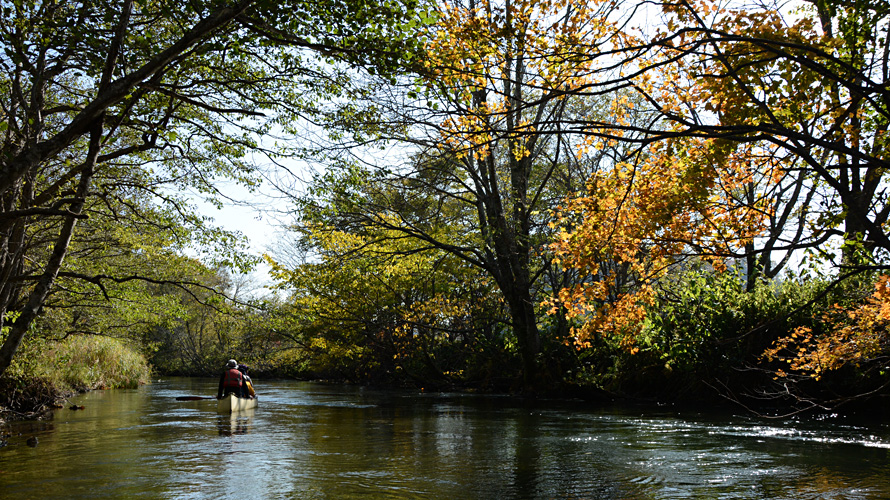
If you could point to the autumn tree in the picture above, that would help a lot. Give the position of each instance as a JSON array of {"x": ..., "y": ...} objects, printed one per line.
[
  {"x": 480, "y": 132},
  {"x": 769, "y": 140},
  {"x": 809, "y": 90},
  {"x": 118, "y": 102}
]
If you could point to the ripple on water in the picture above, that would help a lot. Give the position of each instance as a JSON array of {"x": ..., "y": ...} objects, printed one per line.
[
  {"x": 848, "y": 435},
  {"x": 312, "y": 441}
]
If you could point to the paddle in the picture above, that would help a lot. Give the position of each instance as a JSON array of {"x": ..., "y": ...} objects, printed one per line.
[{"x": 193, "y": 398}]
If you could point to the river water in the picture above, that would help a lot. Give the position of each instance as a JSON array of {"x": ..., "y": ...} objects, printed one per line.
[{"x": 316, "y": 441}]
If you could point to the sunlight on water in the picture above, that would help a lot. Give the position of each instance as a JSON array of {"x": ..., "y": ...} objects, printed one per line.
[{"x": 314, "y": 441}]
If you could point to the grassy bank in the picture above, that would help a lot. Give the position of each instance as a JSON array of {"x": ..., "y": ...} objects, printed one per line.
[{"x": 46, "y": 372}]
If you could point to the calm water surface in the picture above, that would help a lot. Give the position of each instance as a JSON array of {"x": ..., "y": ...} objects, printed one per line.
[{"x": 308, "y": 441}]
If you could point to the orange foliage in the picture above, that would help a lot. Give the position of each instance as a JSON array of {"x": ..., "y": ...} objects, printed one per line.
[
  {"x": 686, "y": 196},
  {"x": 853, "y": 336},
  {"x": 679, "y": 200},
  {"x": 485, "y": 57}
]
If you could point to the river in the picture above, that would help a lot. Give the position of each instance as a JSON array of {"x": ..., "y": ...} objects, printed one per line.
[{"x": 317, "y": 441}]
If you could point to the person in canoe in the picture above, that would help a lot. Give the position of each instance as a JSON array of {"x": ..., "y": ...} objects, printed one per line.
[
  {"x": 231, "y": 381},
  {"x": 247, "y": 388}
]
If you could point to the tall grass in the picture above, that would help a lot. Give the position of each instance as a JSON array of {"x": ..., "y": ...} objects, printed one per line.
[{"x": 85, "y": 363}]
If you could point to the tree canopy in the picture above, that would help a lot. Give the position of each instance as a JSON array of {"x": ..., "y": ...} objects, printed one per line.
[
  {"x": 120, "y": 111},
  {"x": 539, "y": 190},
  {"x": 593, "y": 155}
]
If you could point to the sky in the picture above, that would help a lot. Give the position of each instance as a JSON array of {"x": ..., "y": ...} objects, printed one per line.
[{"x": 257, "y": 216}]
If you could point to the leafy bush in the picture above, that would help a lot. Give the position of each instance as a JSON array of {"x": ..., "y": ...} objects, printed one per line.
[
  {"x": 704, "y": 326},
  {"x": 704, "y": 318}
]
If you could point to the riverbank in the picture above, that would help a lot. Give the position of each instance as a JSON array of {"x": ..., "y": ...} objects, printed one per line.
[
  {"x": 30, "y": 398},
  {"x": 22, "y": 398},
  {"x": 45, "y": 375}
]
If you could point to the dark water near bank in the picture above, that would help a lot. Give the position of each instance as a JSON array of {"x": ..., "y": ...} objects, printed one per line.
[{"x": 308, "y": 441}]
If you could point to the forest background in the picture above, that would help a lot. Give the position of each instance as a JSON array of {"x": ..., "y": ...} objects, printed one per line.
[{"x": 667, "y": 200}]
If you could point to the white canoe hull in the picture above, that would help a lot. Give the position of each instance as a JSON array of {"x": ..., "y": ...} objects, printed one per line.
[{"x": 232, "y": 403}]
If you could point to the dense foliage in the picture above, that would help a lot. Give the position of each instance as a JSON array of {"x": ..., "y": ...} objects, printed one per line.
[
  {"x": 685, "y": 199},
  {"x": 661, "y": 199},
  {"x": 116, "y": 115}
]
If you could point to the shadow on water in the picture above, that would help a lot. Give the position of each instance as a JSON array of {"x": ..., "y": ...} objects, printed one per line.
[{"x": 307, "y": 441}]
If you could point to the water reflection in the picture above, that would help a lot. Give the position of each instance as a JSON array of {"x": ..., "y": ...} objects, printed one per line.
[
  {"x": 311, "y": 441},
  {"x": 235, "y": 423}
]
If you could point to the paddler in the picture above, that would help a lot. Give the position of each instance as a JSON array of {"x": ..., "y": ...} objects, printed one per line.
[
  {"x": 247, "y": 388},
  {"x": 231, "y": 381}
]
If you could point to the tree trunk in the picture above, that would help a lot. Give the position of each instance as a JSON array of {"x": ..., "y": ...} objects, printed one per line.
[
  {"x": 41, "y": 290},
  {"x": 525, "y": 326}
]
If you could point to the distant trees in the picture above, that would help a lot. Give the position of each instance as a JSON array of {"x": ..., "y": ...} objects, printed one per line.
[{"x": 374, "y": 306}]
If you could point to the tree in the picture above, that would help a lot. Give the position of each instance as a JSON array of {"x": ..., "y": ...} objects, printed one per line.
[
  {"x": 811, "y": 89},
  {"x": 483, "y": 126},
  {"x": 750, "y": 105},
  {"x": 151, "y": 98},
  {"x": 373, "y": 305}
]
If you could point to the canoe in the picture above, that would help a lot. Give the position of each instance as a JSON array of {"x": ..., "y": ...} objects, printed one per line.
[{"x": 232, "y": 403}]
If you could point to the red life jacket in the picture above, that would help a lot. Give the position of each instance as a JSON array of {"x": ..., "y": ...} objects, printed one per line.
[{"x": 233, "y": 378}]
